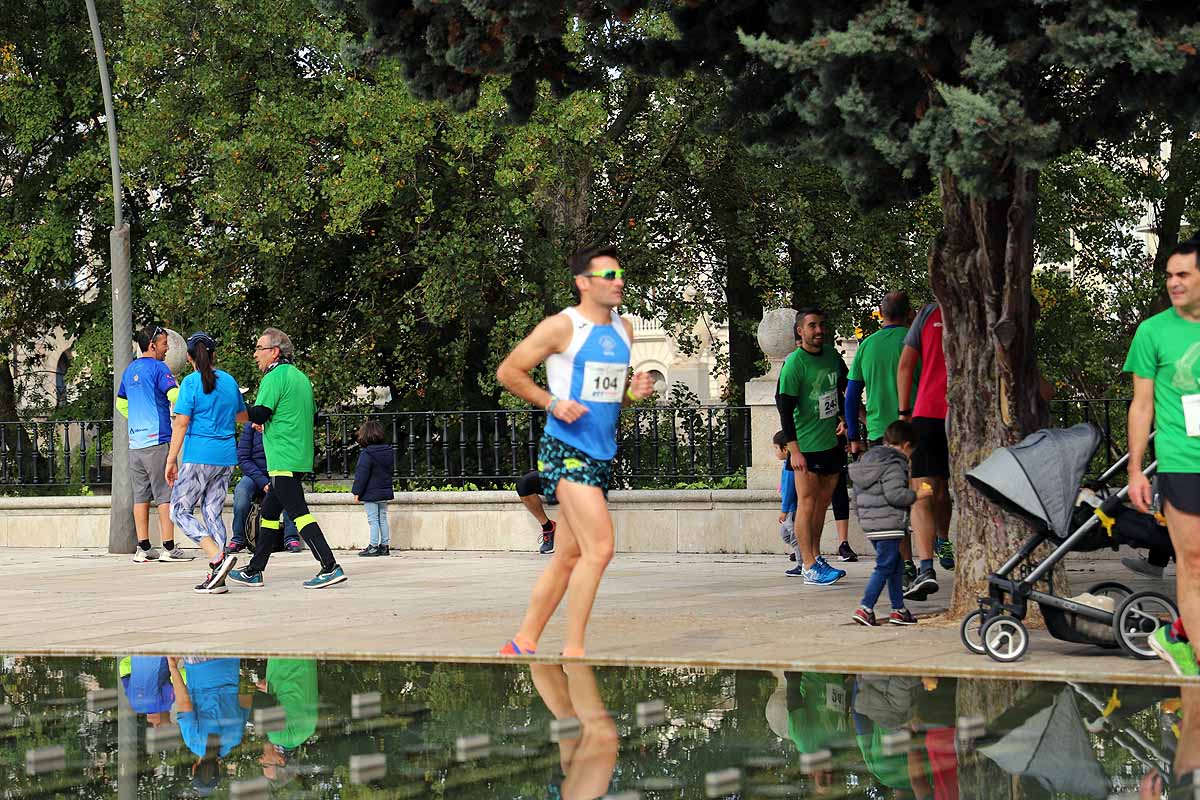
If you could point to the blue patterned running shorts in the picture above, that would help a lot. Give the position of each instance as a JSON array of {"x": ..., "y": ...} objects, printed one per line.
[{"x": 559, "y": 461}]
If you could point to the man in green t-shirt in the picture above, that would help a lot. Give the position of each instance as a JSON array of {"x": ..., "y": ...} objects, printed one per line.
[
  {"x": 808, "y": 398},
  {"x": 285, "y": 409},
  {"x": 874, "y": 371},
  {"x": 1164, "y": 358}
]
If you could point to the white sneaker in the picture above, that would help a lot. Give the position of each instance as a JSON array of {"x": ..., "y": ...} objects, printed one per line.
[
  {"x": 142, "y": 556},
  {"x": 175, "y": 555}
]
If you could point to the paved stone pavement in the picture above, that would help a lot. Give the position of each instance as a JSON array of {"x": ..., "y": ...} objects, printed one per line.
[{"x": 714, "y": 610}]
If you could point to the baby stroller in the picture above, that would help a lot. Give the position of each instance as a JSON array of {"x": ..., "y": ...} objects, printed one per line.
[{"x": 1038, "y": 479}]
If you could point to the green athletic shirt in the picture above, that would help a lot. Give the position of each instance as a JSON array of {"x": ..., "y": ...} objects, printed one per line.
[
  {"x": 288, "y": 434},
  {"x": 875, "y": 365},
  {"x": 817, "y": 711},
  {"x": 813, "y": 381},
  {"x": 293, "y": 681},
  {"x": 1166, "y": 349}
]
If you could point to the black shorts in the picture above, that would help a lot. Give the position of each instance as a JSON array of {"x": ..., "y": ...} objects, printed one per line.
[
  {"x": 931, "y": 457},
  {"x": 1181, "y": 490},
  {"x": 826, "y": 462}
]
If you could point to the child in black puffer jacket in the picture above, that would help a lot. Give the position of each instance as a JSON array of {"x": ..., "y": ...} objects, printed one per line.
[
  {"x": 882, "y": 499},
  {"x": 373, "y": 484}
]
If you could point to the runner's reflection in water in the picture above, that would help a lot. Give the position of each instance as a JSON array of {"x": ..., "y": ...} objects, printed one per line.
[
  {"x": 589, "y": 757},
  {"x": 211, "y": 715},
  {"x": 1187, "y": 752},
  {"x": 146, "y": 681},
  {"x": 290, "y": 683}
]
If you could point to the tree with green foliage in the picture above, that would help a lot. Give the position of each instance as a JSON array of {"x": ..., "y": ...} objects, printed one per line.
[
  {"x": 52, "y": 180},
  {"x": 977, "y": 98}
]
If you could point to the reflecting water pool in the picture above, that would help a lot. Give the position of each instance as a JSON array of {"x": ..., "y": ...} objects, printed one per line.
[{"x": 250, "y": 728}]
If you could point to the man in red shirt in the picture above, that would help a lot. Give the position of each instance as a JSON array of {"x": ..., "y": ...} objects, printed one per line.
[{"x": 931, "y": 458}]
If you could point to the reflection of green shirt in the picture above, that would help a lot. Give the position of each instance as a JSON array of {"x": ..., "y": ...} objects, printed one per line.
[
  {"x": 288, "y": 435},
  {"x": 1166, "y": 349},
  {"x": 818, "y": 716},
  {"x": 875, "y": 365},
  {"x": 293, "y": 682},
  {"x": 890, "y": 770},
  {"x": 813, "y": 380}
]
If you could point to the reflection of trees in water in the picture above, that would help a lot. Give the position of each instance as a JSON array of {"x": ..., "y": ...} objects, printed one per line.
[{"x": 714, "y": 720}]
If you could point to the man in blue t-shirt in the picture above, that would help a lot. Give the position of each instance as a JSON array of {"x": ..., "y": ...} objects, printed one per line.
[{"x": 147, "y": 390}]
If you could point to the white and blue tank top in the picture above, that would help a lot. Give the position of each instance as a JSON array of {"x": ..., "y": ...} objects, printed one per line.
[{"x": 591, "y": 371}]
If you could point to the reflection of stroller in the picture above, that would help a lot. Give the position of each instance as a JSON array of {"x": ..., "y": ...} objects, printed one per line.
[
  {"x": 1047, "y": 736},
  {"x": 1038, "y": 479}
]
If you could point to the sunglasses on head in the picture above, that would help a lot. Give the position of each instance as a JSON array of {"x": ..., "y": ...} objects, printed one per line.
[{"x": 608, "y": 274}]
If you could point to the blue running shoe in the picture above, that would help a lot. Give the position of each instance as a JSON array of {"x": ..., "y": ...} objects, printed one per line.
[
  {"x": 944, "y": 549},
  {"x": 841, "y": 573},
  {"x": 324, "y": 579},
  {"x": 796, "y": 571},
  {"x": 822, "y": 575},
  {"x": 240, "y": 576}
]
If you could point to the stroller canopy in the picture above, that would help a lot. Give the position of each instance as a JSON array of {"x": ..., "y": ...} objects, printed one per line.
[
  {"x": 1053, "y": 746},
  {"x": 1039, "y": 477}
]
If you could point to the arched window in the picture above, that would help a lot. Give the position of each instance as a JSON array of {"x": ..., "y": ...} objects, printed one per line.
[{"x": 60, "y": 379}]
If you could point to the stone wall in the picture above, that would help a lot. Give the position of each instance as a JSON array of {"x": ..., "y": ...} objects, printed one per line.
[{"x": 683, "y": 521}]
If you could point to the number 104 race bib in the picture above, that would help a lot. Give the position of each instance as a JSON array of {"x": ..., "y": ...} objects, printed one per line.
[{"x": 603, "y": 382}]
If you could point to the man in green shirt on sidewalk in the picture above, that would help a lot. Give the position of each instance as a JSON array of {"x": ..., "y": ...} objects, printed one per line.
[
  {"x": 1164, "y": 358},
  {"x": 807, "y": 397},
  {"x": 285, "y": 410}
]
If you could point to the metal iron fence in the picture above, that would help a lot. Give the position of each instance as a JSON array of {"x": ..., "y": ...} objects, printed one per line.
[{"x": 658, "y": 447}]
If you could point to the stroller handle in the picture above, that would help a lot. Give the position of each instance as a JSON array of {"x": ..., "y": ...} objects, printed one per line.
[{"x": 1119, "y": 465}]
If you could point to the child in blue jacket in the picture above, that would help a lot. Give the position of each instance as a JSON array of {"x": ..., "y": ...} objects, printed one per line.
[
  {"x": 787, "y": 511},
  {"x": 373, "y": 484}
]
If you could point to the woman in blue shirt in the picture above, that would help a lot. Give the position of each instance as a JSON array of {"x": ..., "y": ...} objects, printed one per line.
[{"x": 207, "y": 411}]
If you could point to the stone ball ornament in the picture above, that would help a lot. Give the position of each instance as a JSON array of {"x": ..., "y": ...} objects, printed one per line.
[
  {"x": 777, "y": 333},
  {"x": 176, "y": 359}
]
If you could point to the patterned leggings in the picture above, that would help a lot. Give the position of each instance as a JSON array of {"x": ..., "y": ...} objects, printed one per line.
[{"x": 203, "y": 485}]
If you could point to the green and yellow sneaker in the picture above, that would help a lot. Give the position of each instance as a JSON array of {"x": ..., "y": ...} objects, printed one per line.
[
  {"x": 1179, "y": 654},
  {"x": 944, "y": 549}
]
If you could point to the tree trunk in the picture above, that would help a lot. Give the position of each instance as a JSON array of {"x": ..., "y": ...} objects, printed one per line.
[
  {"x": 981, "y": 267},
  {"x": 1181, "y": 177}
]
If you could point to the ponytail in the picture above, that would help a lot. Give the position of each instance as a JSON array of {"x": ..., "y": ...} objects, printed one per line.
[
  {"x": 203, "y": 359},
  {"x": 201, "y": 348}
]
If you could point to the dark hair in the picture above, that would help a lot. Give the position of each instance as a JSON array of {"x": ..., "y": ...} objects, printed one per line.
[
  {"x": 779, "y": 439},
  {"x": 371, "y": 432},
  {"x": 580, "y": 260},
  {"x": 1187, "y": 248},
  {"x": 201, "y": 347},
  {"x": 804, "y": 312},
  {"x": 900, "y": 432},
  {"x": 147, "y": 335},
  {"x": 895, "y": 305}
]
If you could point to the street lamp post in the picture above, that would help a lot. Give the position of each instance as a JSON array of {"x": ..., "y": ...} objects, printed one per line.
[{"x": 121, "y": 537}]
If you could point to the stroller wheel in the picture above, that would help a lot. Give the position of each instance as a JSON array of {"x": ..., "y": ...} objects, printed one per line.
[
  {"x": 1137, "y": 617},
  {"x": 1117, "y": 591},
  {"x": 1005, "y": 638},
  {"x": 971, "y": 632}
]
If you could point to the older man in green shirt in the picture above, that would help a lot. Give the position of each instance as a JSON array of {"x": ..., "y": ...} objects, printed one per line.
[{"x": 285, "y": 408}]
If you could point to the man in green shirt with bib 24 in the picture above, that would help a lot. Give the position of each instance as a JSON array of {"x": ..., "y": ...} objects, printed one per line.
[
  {"x": 809, "y": 401},
  {"x": 1164, "y": 358}
]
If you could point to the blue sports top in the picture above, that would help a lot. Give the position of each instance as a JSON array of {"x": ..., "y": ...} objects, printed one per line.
[
  {"x": 145, "y": 385},
  {"x": 591, "y": 371},
  {"x": 212, "y": 432}
]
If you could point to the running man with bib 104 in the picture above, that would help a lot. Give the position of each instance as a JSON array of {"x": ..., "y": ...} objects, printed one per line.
[
  {"x": 586, "y": 350},
  {"x": 811, "y": 384},
  {"x": 1164, "y": 358}
]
